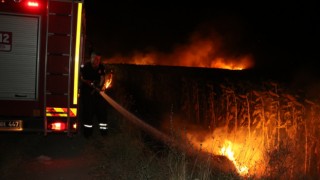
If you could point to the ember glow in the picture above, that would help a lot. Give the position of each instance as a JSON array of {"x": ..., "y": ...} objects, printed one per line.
[
  {"x": 205, "y": 52},
  {"x": 247, "y": 155}
]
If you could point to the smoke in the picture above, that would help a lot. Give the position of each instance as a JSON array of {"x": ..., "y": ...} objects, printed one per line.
[{"x": 204, "y": 48}]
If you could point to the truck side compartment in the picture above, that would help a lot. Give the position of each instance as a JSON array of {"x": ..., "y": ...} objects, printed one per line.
[{"x": 41, "y": 45}]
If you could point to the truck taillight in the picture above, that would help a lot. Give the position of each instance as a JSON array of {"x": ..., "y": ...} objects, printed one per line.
[
  {"x": 32, "y": 4},
  {"x": 74, "y": 126},
  {"x": 58, "y": 126}
]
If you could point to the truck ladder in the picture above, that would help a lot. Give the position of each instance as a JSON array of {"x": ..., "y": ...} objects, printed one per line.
[{"x": 58, "y": 65}]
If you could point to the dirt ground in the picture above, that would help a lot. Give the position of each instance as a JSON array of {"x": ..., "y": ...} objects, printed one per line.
[{"x": 55, "y": 156}]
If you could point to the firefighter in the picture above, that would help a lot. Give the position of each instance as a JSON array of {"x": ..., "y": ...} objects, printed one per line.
[{"x": 93, "y": 105}]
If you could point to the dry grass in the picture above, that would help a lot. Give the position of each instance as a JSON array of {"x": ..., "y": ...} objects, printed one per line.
[
  {"x": 129, "y": 153},
  {"x": 283, "y": 119}
]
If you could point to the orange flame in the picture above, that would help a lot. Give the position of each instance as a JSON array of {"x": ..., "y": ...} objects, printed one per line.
[
  {"x": 227, "y": 151},
  {"x": 241, "y": 64},
  {"x": 108, "y": 81},
  {"x": 199, "y": 52},
  {"x": 246, "y": 153}
]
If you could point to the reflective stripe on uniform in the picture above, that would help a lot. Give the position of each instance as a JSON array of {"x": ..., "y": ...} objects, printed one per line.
[
  {"x": 87, "y": 125},
  {"x": 103, "y": 126}
]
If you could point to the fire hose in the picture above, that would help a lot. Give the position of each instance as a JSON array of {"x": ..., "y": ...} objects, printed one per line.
[
  {"x": 102, "y": 91},
  {"x": 219, "y": 162},
  {"x": 136, "y": 120},
  {"x": 129, "y": 116},
  {"x": 216, "y": 160}
]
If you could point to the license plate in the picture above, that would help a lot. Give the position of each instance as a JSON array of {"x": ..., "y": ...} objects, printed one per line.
[{"x": 11, "y": 125}]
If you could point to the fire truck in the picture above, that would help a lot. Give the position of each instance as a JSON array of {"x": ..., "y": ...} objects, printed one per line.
[{"x": 41, "y": 47}]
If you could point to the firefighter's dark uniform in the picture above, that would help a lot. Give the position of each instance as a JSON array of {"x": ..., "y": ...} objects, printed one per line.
[{"x": 92, "y": 103}]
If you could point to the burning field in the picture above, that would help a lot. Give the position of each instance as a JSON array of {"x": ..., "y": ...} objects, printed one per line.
[
  {"x": 265, "y": 127},
  {"x": 210, "y": 96}
]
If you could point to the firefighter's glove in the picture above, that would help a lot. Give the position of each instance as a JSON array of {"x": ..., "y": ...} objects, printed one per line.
[
  {"x": 89, "y": 83},
  {"x": 98, "y": 88},
  {"x": 93, "y": 84},
  {"x": 108, "y": 91}
]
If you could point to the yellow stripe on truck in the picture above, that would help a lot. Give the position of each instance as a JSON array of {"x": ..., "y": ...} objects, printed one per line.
[
  {"x": 60, "y": 112},
  {"x": 77, "y": 55}
]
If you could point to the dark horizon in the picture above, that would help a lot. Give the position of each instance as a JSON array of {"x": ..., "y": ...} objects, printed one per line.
[{"x": 278, "y": 36}]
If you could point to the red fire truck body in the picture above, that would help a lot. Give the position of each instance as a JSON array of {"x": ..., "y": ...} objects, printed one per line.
[{"x": 41, "y": 47}]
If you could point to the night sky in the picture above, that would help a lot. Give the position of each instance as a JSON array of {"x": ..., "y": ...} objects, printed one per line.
[{"x": 277, "y": 35}]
